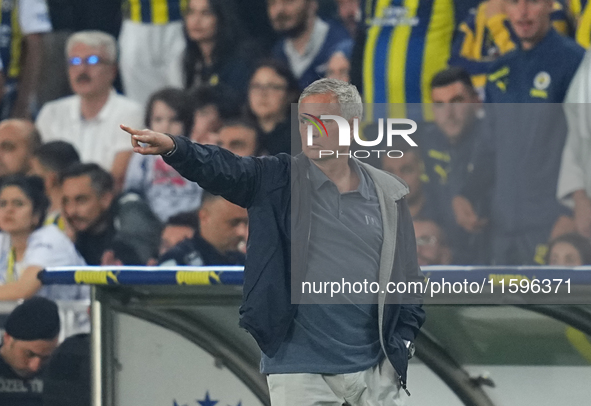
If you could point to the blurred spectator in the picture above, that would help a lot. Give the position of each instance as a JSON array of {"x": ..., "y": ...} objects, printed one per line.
[
  {"x": 166, "y": 192},
  {"x": 27, "y": 247},
  {"x": 90, "y": 119},
  {"x": 574, "y": 182},
  {"x": 569, "y": 250},
  {"x": 67, "y": 17},
  {"x": 90, "y": 208},
  {"x": 152, "y": 45},
  {"x": 178, "y": 228},
  {"x": 66, "y": 381},
  {"x": 350, "y": 14},
  {"x": 208, "y": 109},
  {"x": 339, "y": 65},
  {"x": 239, "y": 137},
  {"x": 254, "y": 18},
  {"x": 23, "y": 23},
  {"x": 399, "y": 48},
  {"x": 522, "y": 172},
  {"x": 271, "y": 91},
  {"x": 447, "y": 146},
  {"x": 485, "y": 35},
  {"x": 18, "y": 140},
  {"x": 432, "y": 246},
  {"x": 48, "y": 162},
  {"x": 30, "y": 339},
  {"x": 411, "y": 169},
  {"x": 215, "y": 42},
  {"x": 223, "y": 228},
  {"x": 307, "y": 41},
  {"x": 544, "y": 58}
]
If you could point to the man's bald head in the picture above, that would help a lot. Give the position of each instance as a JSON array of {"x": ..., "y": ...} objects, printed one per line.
[{"x": 18, "y": 140}]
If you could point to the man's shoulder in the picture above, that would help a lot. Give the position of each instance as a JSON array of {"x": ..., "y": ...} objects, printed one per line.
[
  {"x": 125, "y": 105},
  {"x": 570, "y": 49},
  {"x": 59, "y": 105}
]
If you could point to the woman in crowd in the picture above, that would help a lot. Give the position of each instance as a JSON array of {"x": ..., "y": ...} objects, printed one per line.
[
  {"x": 166, "y": 192},
  {"x": 569, "y": 250},
  {"x": 214, "y": 45},
  {"x": 27, "y": 247},
  {"x": 272, "y": 88}
]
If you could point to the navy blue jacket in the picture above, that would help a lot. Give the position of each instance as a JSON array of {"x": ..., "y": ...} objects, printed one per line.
[{"x": 270, "y": 187}]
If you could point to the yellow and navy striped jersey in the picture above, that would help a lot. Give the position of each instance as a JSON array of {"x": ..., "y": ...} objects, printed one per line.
[
  {"x": 10, "y": 38},
  {"x": 581, "y": 11},
  {"x": 407, "y": 43},
  {"x": 481, "y": 40},
  {"x": 154, "y": 11}
]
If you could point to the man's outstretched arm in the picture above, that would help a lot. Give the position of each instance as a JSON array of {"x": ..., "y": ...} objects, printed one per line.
[{"x": 215, "y": 169}]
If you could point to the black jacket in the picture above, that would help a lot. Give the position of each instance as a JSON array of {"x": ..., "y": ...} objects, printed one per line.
[{"x": 268, "y": 187}]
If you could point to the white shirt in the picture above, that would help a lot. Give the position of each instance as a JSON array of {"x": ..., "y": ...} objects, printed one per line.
[
  {"x": 575, "y": 171},
  {"x": 33, "y": 17},
  {"x": 97, "y": 140},
  {"x": 47, "y": 246}
]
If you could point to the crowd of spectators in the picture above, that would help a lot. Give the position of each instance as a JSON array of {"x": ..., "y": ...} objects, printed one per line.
[
  {"x": 489, "y": 184},
  {"x": 501, "y": 174}
]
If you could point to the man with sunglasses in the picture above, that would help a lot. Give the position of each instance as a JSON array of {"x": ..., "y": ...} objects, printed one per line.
[{"x": 88, "y": 119}]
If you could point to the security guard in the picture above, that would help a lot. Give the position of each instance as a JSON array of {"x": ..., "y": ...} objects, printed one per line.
[{"x": 520, "y": 150}]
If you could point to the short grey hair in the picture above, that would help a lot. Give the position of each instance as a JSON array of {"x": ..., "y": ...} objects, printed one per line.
[
  {"x": 96, "y": 39},
  {"x": 347, "y": 96}
]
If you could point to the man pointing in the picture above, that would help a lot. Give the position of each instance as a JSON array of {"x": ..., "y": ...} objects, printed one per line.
[{"x": 308, "y": 216}]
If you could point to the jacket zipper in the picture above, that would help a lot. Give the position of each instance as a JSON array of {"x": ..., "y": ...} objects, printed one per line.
[{"x": 402, "y": 383}]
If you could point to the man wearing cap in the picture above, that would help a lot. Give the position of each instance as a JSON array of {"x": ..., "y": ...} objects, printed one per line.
[{"x": 30, "y": 337}]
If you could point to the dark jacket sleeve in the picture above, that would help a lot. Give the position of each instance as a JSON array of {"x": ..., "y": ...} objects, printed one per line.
[
  {"x": 412, "y": 315},
  {"x": 217, "y": 170}
]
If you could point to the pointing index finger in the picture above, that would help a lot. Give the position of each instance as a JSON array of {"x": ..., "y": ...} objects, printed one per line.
[{"x": 129, "y": 130}]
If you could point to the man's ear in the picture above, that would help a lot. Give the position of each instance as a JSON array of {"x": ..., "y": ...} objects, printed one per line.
[
  {"x": 52, "y": 180},
  {"x": 202, "y": 214},
  {"x": 106, "y": 199}
]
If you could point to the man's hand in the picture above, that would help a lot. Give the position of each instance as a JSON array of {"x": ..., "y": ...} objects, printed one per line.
[
  {"x": 154, "y": 143},
  {"x": 582, "y": 213},
  {"x": 465, "y": 215}
]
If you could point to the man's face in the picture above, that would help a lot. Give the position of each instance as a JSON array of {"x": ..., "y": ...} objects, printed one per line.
[
  {"x": 90, "y": 80},
  {"x": 430, "y": 250},
  {"x": 223, "y": 224},
  {"x": 288, "y": 17},
  {"x": 240, "y": 140},
  {"x": 338, "y": 67},
  {"x": 409, "y": 169},
  {"x": 27, "y": 358},
  {"x": 317, "y": 105},
  {"x": 206, "y": 123},
  {"x": 454, "y": 108},
  {"x": 350, "y": 13},
  {"x": 82, "y": 206},
  {"x": 172, "y": 235},
  {"x": 530, "y": 19},
  {"x": 15, "y": 154}
]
